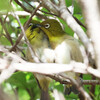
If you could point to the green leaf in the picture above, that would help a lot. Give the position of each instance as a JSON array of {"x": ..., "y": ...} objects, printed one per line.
[
  {"x": 97, "y": 92},
  {"x": 67, "y": 29},
  {"x": 26, "y": 85},
  {"x": 5, "y": 5},
  {"x": 77, "y": 9},
  {"x": 4, "y": 40},
  {"x": 23, "y": 95},
  {"x": 18, "y": 79},
  {"x": 68, "y": 2},
  {"x": 23, "y": 80}
]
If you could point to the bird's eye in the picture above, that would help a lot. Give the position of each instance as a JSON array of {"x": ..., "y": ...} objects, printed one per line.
[
  {"x": 30, "y": 24},
  {"x": 47, "y": 25}
]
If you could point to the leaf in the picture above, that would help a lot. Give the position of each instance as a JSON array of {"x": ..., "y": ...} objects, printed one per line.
[
  {"x": 18, "y": 79},
  {"x": 4, "y": 40},
  {"x": 23, "y": 95},
  {"x": 68, "y": 2},
  {"x": 26, "y": 84},
  {"x": 5, "y": 5},
  {"x": 77, "y": 9},
  {"x": 67, "y": 29}
]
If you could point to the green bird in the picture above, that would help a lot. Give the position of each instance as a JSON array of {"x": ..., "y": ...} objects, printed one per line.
[
  {"x": 41, "y": 46},
  {"x": 66, "y": 48}
]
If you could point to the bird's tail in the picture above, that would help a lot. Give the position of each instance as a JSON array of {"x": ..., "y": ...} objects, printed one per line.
[
  {"x": 72, "y": 88},
  {"x": 68, "y": 89},
  {"x": 44, "y": 95}
]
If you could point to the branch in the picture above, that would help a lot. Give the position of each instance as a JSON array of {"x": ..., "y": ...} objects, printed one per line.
[
  {"x": 79, "y": 22},
  {"x": 13, "y": 62},
  {"x": 33, "y": 13},
  {"x": 56, "y": 68},
  {"x": 22, "y": 6},
  {"x": 16, "y": 63},
  {"x": 85, "y": 94},
  {"x": 39, "y": 9},
  {"x": 6, "y": 73},
  {"x": 6, "y": 31},
  {"x": 3, "y": 95},
  {"x": 43, "y": 12},
  {"x": 29, "y": 11},
  {"x": 42, "y": 68},
  {"x": 50, "y": 6},
  {"x": 92, "y": 18},
  {"x": 58, "y": 95},
  {"x": 62, "y": 81}
]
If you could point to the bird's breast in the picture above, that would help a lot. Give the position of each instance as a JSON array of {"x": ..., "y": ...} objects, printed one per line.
[{"x": 62, "y": 53}]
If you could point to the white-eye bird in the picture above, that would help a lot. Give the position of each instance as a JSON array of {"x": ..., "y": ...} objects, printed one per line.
[
  {"x": 41, "y": 46},
  {"x": 66, "y": 48}
]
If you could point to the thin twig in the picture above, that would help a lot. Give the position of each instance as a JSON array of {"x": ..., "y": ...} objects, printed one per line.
[
  {"x": 5, "y": 18},
  {"x": 17, "y": 42},
  {"x": 6, "y": 31},
  {"x": 3, "y": 95},
  {"x": 29, "y": 11},
  {"x": 84, "y": 82},
  {"x": 22, "y": 6},
  {"x": 33, "y": 13},
  {"x": 84, "y": 93},
  {"x": 29, "y": 4},
  {"x": 50, "y": 6},
  {"x": 40, "y": 10}
]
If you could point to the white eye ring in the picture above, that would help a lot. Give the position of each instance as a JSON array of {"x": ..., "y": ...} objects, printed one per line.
[
  {"x": 30, "y": 24},
  {"x": 47, "y": 25}
]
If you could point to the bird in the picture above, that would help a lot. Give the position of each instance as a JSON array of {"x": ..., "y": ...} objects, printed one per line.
[
  {"x": 41, "y": 46},
  {"x": 66, "y": 48}
]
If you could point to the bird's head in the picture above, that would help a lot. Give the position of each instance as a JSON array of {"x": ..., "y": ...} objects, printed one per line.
[
  {"x": 34, "y": 34},
  {"x": 52, "y": 28}
]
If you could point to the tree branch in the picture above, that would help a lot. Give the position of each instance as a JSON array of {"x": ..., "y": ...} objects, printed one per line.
[
  {"x": 22, "y": 6},
  {"x": 41, "y": 68},
  {"x": 84, "y": 93},
  {"x": 92, "y": 18}
]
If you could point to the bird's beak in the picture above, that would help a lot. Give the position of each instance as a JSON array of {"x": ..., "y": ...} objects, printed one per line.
[
  {"x": 37, "y": 25},
  {"x": 34, "y": 25}
]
